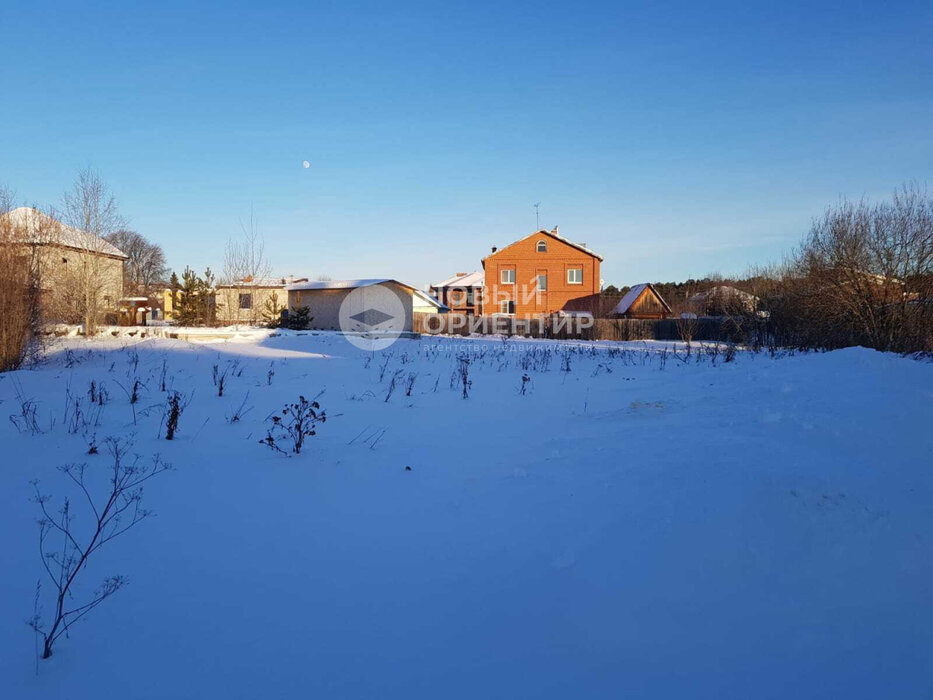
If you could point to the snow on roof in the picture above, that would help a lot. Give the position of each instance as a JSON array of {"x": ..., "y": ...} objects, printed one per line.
[
  {"x": 356, "y": 284},
  {"x": 469, "y": 279},
  {"x": 631, "y": 296},
  {"x": 723, "y": 292},
  {"x": 625, "y": 303},
  {"x": 553, "y": 234},
  {"x": 339, "y": 284},
  {"x": 429, "y": 299},
  {"x": 265, "y": 282},
  {"x": 41, "y": 228}
]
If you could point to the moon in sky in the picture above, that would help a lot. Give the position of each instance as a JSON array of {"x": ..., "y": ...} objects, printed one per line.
[{"x": 305, "y": 164}]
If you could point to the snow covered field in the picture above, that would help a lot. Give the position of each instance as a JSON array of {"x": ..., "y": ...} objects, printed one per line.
[{"x": 637, "y": 526}]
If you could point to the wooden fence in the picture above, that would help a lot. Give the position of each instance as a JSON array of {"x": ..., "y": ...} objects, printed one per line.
[{"x": 707, "y": 328}]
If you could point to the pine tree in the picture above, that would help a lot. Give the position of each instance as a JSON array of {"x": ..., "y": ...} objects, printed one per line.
[
  {"x": 272, "y": 312},
  {"x": 174, "y": 285},
  {"x": 194, "y": 298},
  {"x": 187, "y": 311},
  {"x": 298, "y": 318},
  {"x": 207, "y": 308}
]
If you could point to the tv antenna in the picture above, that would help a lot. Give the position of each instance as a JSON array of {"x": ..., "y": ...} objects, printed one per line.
[{"x": 537, "y": 221}]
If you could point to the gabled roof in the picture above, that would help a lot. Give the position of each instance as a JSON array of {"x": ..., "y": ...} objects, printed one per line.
[
  {"x": 631, "y": 296},
  {"x": 40, "y": 228},
  {"x": 356, "y": 284},
  {"x": 553, "y": 234},
  {"x": 470, "y": 279}
]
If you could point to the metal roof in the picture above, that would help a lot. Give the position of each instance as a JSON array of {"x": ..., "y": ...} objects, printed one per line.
[
  {"x": 340, "y": 284},
  {"x": 356, "y": 284}
]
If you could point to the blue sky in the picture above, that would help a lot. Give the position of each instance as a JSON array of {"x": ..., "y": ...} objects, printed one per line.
[{"x": 675, "y": 139}]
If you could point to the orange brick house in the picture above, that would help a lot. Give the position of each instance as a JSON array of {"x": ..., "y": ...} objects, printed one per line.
[{"x": 541, "y": 274}]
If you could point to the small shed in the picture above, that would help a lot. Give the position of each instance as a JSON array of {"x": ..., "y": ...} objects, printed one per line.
[{"x": 641, "y": 301}]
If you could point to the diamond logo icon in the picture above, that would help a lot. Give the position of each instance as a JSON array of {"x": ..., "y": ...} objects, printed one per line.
[{"x": 372, "y": 317}]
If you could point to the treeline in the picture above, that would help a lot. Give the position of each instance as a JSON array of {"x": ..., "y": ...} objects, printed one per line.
[
  {"x": 862, "y": 275},
  {"x": 678, "y": 294}
]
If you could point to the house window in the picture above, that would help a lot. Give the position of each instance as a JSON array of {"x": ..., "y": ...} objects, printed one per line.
[
  {"x": 246, "y": 301},
  {"x": 542, "y": 283},
  {"x": 541, "y": 247},
  {"x": 575, "y": 275},
  {"x": 507, "y": 307},
  {"x": 470, "y": 296},
  {"x": 507, "y": 276}
]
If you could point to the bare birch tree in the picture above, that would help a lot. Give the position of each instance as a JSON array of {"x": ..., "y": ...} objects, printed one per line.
[
  {"x": 245, "y": 264},
  {"x": 91, "y": 210}
]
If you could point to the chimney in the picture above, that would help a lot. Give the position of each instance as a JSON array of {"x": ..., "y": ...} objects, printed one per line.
[
  {"x": 494, "y": 249},
  {"x": 555, "y": 230}
]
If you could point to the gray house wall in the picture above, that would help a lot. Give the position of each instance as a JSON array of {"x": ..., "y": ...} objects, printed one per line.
[{"x": 324, "y": 304}]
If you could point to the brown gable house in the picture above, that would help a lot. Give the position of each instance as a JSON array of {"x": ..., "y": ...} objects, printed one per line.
[
  {"x": 641, "y": 301},
  {"x": 541, "y": 274}
]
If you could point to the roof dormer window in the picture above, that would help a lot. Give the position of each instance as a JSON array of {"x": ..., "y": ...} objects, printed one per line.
[{"x": 541, "y": 247}]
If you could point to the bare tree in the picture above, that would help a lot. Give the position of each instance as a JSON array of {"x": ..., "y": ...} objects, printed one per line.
[
  {"x": 91, "y": 210},
  {"x": 245, "y": 265},
  {"x": 146, "y": 269},
  {"x": 118, "y": 511},
  {"x": 19, "y": 289},
  {"x": 687, "y": 323},
  {"x": 863, "y": 275}
]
